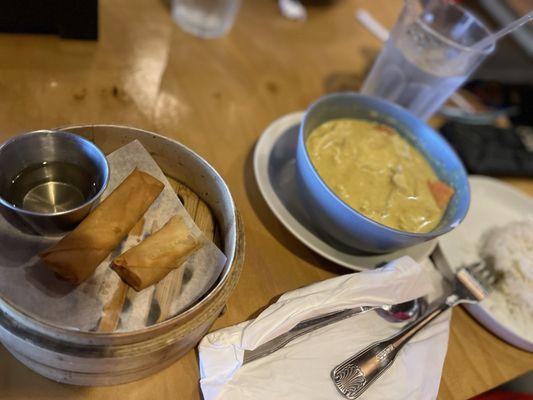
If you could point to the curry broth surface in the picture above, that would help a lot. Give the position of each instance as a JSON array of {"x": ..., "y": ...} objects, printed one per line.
[{"x": 377, "y": 172}]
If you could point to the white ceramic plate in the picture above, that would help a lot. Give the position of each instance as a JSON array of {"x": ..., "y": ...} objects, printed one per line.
[
  {"x": 274, "y": 168},
  {"x": 493, "y": 204}
]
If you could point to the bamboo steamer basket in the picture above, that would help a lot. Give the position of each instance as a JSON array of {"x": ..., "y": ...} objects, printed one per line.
[{"x": 99, "y": 359}]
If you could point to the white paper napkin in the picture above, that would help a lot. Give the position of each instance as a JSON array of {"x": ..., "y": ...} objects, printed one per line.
[{"x": 301, "y": 370}]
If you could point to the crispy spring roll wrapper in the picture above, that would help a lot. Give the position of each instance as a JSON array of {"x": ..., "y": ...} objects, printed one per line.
[
  {"x": 157, "y": 255},
  {"x": 76, "y": 256}
]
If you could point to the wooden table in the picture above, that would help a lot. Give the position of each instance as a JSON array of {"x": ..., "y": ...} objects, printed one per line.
[{"x": 216, "y": 97}]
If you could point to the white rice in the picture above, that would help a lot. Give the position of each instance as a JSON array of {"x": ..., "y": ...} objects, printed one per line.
[{"x": 510, "y": 250}]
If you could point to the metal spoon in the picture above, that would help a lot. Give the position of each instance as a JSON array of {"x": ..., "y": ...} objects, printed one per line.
[
  {"x": 393, "y": 313},
  {"x": 403, "y": 311}
]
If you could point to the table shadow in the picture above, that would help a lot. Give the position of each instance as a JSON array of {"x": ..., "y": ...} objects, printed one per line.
[
  {"x": 342, "y": 81},
  {"x": 279, "y": 232}
]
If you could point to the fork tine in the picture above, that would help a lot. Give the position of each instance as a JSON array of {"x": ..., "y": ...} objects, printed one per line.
[
  {"x": 487, "y": 271},
  {"x": 485, "y": 274},
  {"x": 482, "y": 273}
]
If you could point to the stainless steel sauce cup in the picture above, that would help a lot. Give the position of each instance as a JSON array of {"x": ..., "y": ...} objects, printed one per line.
[{"x": 49, "y": 180}]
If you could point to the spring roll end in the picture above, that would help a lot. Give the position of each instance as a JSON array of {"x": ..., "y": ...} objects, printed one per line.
[
  {"x": 127, "y": 275},
  {"x": 61, "y": 263},
  {"x": 65, "y": 274},
  {"x": 149, "y": 180}
]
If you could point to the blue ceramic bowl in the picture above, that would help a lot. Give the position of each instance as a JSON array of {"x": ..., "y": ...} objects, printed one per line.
[{"x": 335, "y": 218}]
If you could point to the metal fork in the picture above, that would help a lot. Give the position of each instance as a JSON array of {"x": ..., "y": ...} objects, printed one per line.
[{"x": 470, "y": 285}]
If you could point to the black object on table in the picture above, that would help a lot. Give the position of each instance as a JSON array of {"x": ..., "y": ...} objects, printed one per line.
[
  {"x": 74, "y": 19},
  {"x": 488, "y": 150}
]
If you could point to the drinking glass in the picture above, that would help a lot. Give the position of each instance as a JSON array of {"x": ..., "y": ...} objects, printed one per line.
[
  {"x": 428, "y": 55},
  {"x": 205, "y": 18}
]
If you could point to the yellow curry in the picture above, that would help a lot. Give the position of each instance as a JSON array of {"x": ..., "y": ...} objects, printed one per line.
[{"x": 378, "y": 173}]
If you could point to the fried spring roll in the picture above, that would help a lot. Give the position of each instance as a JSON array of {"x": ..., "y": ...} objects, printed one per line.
[
  {"x": 76, "y": 256},
  {"x": 156, "y": 256}
]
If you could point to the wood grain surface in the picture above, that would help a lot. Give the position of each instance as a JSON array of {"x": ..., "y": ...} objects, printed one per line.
[{"x": 216, "y": 96}]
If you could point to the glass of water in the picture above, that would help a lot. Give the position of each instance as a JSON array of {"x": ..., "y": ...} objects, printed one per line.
[
  {"x": 428, "y": 55},
  {"x": 205, "y": 18}
]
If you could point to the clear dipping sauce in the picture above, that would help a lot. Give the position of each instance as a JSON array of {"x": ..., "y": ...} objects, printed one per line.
[
  {"x": 50, "y": 187},
  {"x": 378, "y": 173}
]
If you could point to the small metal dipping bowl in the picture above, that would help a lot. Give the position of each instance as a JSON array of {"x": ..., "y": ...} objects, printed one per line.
[{"x": 49, "y": 180}]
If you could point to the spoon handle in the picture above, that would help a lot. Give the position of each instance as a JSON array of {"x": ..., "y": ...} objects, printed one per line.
[
  {"x": 300, "y": 329},
  {"x": 357, "y": 373}
]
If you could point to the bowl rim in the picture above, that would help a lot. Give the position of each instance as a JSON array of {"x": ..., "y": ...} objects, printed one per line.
[
  {"x": 66, "y": 135},
  {"x": 410, "y": 120}
]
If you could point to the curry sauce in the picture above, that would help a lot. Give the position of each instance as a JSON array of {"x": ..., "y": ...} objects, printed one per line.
[{"x": 378, "y": 173}]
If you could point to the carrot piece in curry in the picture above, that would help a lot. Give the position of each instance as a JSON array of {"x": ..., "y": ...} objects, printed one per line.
[
  {"x": 385, "y": 129},
  {"x": 441, "y": 192}
]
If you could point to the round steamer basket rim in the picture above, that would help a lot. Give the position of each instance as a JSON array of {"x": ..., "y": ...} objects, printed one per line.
[
  {"x": 160, "y": 341},
  {"x": 220, "y": 297},
  {"x": 218, "y": 294}
]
